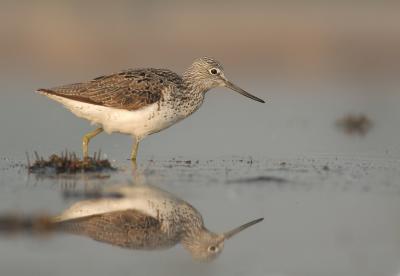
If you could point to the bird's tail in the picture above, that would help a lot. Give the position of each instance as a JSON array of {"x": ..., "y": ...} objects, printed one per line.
[{"x": 45, "y": 91}]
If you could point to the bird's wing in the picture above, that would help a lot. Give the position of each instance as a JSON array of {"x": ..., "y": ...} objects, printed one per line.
[
  {"x": 128, "y": 228},
  {"x": 130, "y": 89}
]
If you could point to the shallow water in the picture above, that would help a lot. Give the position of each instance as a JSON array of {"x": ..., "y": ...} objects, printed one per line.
[{"x": 330, "y": 201}]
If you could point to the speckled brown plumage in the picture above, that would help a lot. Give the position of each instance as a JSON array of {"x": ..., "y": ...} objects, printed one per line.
[
  {"x": 128, "y": 228},
  {"x": 130, "y": 89}
]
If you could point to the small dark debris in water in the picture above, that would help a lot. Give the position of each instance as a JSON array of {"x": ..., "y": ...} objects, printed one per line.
[
  {"x": 260, "y": 179},
  {"x": 366, "y": 189},
  {"x": 355, "y": 124},
  {"x": 283, "y": 164},
  {"x": 35, "y": 225},
  {"x": 95, "y": 194},
  {"x": 68, "y": 163},
  {"x": 325, "y": 168},
  {"x": 185, "y": 162}
]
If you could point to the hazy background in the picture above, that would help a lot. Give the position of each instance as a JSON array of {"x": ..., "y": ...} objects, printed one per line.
[{"x": 264, "y": 39}]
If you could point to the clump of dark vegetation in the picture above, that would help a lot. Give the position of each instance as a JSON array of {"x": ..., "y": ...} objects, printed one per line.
[
  {"x": 354, "y": 124},
  {"x": 68, "y": 163}
]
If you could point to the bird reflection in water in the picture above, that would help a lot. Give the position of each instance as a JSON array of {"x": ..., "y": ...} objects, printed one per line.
[{"x": 145, "y": 217}]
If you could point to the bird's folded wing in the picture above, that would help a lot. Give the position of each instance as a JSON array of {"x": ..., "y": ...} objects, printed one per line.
[
  {"x": 130, "y": 89},
  {"x": 128, "y": 228}
]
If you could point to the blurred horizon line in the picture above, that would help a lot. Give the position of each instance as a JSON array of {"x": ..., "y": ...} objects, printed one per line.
[{"x": 310, "y": 40}]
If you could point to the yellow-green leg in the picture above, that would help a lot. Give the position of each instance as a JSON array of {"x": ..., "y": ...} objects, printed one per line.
[
  {"x": 135, "y": 149},
  {"x": 86, "y": 139}
]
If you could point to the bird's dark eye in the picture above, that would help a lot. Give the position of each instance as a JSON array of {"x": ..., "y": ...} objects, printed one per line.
[
  {"x": 214, "y": 71},
  {"x": 212, "y": 248}
]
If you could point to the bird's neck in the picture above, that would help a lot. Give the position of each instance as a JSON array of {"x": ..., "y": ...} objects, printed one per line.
[
  {"x": 193, "y": 236},
  {"x": 191, "y": 221},
  {"x": 193, "y": 83},
  {"x": 189, "y": 96}
]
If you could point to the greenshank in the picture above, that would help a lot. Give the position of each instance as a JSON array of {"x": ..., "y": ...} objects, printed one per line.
[{"x": 140, "y": 102}]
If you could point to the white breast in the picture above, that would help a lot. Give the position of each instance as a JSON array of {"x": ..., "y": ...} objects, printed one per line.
[{"x": 138, "y": 123}]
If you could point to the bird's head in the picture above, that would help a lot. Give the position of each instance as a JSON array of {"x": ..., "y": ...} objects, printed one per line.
[
  {"x": 205, "y": 246},
  {"x": 206, "y": 73}
]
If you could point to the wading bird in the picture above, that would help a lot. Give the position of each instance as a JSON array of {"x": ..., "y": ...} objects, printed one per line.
[{"x": 140, "y": 102}]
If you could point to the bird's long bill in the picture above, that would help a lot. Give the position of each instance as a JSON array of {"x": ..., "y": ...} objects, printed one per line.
[
  {"x": 241, "y": 91},
  {"x": 230, "y": 234}
]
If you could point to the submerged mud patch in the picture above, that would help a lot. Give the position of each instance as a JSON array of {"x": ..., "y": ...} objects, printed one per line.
[{"x": 355, "y": 124}]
